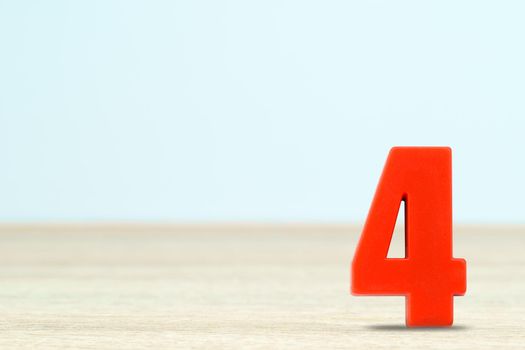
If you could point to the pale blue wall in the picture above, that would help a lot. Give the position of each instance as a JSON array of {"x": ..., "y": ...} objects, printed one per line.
[{"x": 254, "y": 110}]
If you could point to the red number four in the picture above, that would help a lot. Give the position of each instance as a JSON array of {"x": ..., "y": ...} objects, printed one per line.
[{"x": 428, "y": 276}]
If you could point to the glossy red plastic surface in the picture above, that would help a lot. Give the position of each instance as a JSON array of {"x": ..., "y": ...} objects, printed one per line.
[{"x": 428, "y": 276}]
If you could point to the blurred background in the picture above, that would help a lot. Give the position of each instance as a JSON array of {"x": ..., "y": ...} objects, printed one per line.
[{"x": 254, "y": 111}]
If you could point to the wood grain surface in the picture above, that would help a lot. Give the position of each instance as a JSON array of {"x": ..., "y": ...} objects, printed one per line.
[{"x": 236, "y": 287}]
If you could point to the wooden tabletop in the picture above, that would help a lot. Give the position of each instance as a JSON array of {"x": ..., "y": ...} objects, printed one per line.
[{"x": 236, "y": 287}]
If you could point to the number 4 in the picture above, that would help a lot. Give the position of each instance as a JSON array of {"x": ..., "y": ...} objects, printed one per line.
[{"x": 428, "y": 276}]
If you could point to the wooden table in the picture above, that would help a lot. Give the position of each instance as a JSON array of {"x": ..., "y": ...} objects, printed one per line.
[{"x": 236, "y": 287}]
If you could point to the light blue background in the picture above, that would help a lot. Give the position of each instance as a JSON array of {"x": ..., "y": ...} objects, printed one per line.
[{"x": 254, "y": 110}]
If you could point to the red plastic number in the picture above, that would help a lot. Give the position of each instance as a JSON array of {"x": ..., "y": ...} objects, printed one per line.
[{"x": 428, "y": 276}]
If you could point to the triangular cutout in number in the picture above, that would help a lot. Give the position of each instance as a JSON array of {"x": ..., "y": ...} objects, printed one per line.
[{"x": 397, "y": 244}]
